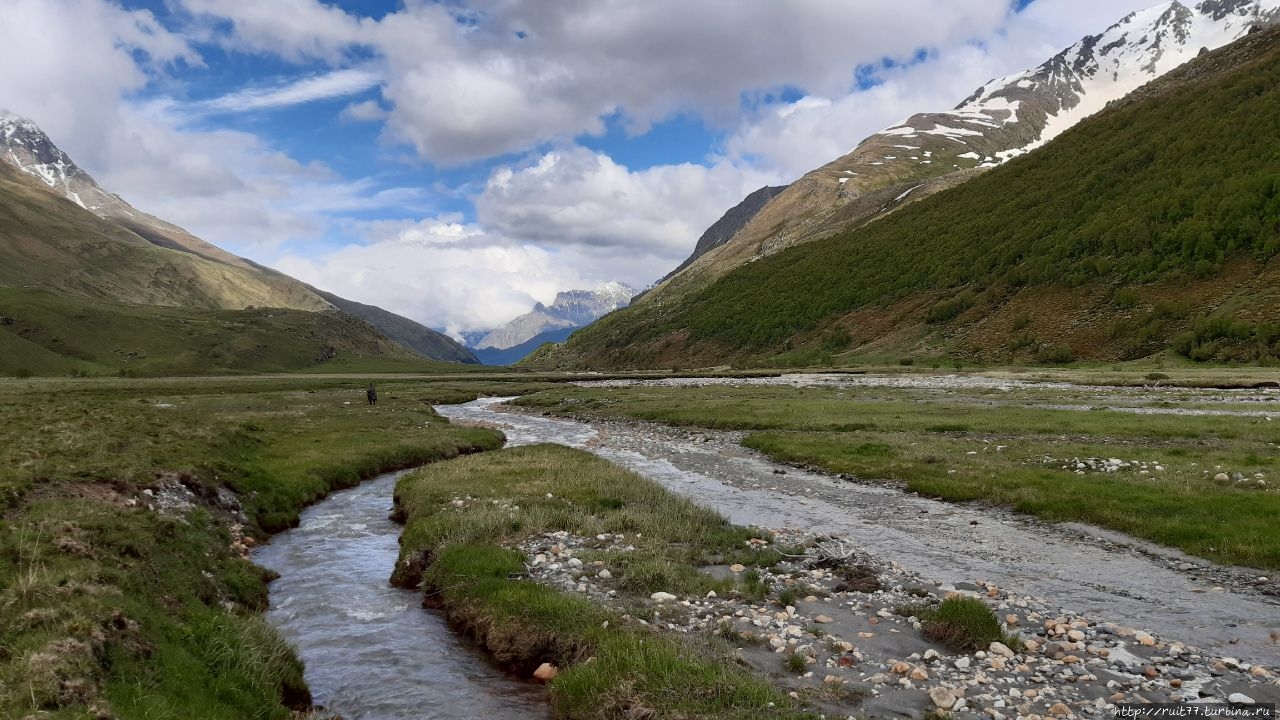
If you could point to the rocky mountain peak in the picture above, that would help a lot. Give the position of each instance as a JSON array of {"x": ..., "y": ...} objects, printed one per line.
[
  {"x": 571, "y": 309},
  {"x": 25, "y": 146}
]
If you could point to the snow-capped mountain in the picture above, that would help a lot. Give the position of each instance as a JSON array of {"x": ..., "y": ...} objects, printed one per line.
[
  {"x": 1099, "y": 69},
  {"x": 24, "y": 145},
  {"x": 571, "y": 309},
  {"x": 1003, "y": 119}
]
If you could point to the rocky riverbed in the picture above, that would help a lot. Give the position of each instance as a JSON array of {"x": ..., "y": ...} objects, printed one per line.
[
  {"x": 1096, "y": 574},
  {"x": 862, "y": 651}
]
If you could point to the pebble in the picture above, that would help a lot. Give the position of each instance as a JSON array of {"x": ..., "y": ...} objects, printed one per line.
[
  {"x": 943, "y": 698},
  {"x": 546, "y": 672},
  {"x": 1240, "y": 699},
  {"x": 662, "y": 597}
]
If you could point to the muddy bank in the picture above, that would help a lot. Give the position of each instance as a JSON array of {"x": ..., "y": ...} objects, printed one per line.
[{"x": 1081, "y": 571}]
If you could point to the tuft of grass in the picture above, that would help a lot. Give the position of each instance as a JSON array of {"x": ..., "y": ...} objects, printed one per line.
[
  {"x": 727, "y": 632},
  {"x": 796, "y": 663},
  {"x": 788, "y": 596},
  {"x": 965, "y": 624},
  {"x": 753, "y": 587}
]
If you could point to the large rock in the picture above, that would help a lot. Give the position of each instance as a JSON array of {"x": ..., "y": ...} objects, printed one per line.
[{"x": 546, "y": 672}]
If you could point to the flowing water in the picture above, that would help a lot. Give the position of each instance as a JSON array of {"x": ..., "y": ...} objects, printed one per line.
[
  {"x": 372, "y": 652},
  {"x": 1084, "y": 570}
]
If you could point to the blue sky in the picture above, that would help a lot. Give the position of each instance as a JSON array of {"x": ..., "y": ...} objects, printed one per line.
[{"x": 457, "y": 162}]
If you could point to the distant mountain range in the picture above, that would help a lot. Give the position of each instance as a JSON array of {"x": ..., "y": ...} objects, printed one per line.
[
  {"x": 1113, "y": 203},
  {"x": 62, "y": 235},
  {"x": 516, "y": 353},
  {"x": 570, "y": 310}
]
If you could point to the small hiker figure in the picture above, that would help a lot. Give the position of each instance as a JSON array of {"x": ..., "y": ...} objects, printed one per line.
[{"x": 372, "y": 394}]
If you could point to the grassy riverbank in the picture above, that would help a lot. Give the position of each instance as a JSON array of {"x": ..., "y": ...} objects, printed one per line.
[
  {"x": 465, "y": 516},
  {"x": 124, "y": 592},
  {"x": 1008, "y": 448}
]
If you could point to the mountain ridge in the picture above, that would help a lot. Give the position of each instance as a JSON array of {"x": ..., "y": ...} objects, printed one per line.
[
  {"x": 100, "y": 247},
  {"x": 1005, "y": 118},
  {"x": 723, "y": 230},
  {"x": 1152, "y": 227}
]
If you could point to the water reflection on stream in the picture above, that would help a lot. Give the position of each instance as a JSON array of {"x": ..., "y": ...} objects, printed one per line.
[{"x": 372, "y": 652}]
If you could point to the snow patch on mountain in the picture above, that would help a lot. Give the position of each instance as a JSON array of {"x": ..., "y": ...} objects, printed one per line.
[
  {"x": 1086, "y": 77},
  {"x": 26, "y": 147}
]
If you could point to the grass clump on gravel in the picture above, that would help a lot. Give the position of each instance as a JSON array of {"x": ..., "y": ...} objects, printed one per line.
[
  {"x": 965, "y": 624},
  {"x": 611, "y": 667}
]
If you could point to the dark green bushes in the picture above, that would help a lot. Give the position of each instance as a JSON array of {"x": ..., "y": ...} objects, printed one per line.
[{"x": 1221, "y": 337}]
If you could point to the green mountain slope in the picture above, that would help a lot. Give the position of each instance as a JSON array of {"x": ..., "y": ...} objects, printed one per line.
[
  {"x": 43, "y": 333},
  {"x": 120, "y": 254},
  {"x": 50, "y": 243},
  {"x": 1153, "y": 225},
  {"x": 60, "y": 263},
  {"x": 81, "y": 294}
]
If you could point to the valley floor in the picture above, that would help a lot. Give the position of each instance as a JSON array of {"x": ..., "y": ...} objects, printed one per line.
[
  {"x": 847, "y": 636},
  {"x": 130, "y": 506}
]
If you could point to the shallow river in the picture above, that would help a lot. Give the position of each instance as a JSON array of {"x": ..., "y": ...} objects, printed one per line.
[
  {"x": 372, "y": 652},
  {"x": 1117, "y": 579}
]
